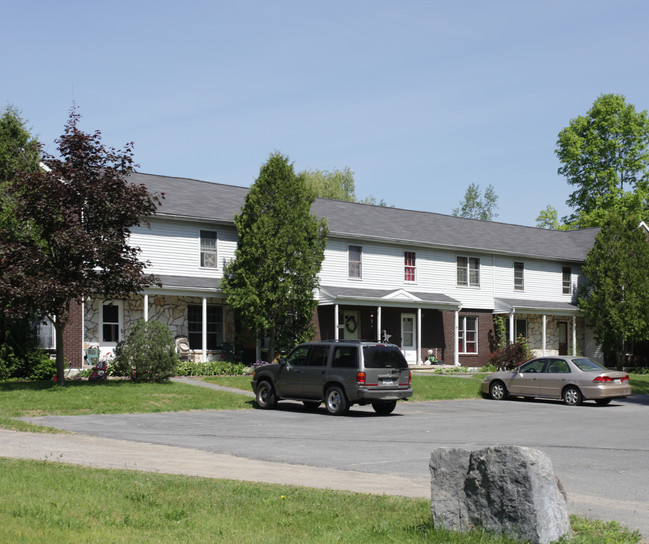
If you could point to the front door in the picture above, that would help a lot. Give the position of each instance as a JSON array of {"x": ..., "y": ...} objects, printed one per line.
[
  {"x": 112, "y": 325},
  {"x": 409, "y": 338},
  {"x": 351, "y": 325},
  {"x": 563, "y": 338}
]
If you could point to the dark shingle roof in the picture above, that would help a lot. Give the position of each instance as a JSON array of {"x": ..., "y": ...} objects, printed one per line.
[{"x": 192, "y": 199}]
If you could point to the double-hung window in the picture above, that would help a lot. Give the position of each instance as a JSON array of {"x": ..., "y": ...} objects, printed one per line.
[
  {"x": 566, "y": 280},
  {"x": 214, "y": 326},
  {"x": 468, "y": 335},
  {"x": 519, "y": 279},
  {"x": 208, "y": 249},
  {"x": 468, "y": 271},
  {"x": 409, "y": 265},
  {"x": 355, "y": 260}
]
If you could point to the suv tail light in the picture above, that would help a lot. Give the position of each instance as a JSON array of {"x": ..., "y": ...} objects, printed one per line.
[
  {"x": 409, "y": 379},
  {"x": 360, "y": 378}
]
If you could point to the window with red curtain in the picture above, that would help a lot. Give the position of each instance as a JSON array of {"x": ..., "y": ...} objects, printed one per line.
[{"x": 409, "y": 260}]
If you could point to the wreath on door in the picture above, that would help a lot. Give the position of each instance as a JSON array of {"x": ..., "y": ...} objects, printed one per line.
[{"x": 350, "y": 324}]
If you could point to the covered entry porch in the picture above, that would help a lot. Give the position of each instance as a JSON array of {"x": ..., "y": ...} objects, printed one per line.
[
  {"x": 550, "y": 328},
  {"x": 412, "y": 321}
]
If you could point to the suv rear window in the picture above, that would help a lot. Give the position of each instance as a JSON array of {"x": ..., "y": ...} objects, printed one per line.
[{"x": 383, "y": 357}]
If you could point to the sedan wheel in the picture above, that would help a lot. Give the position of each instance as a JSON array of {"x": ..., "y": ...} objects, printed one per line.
[
  {"x": 498, "y": 391},
  {"x": 266, "y": 397},
  {"x": 572, "y": 396},
  {"x": 336, "y": 401}
]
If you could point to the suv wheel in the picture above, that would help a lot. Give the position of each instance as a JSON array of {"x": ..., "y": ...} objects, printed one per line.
[
  {"x": 336, "y": 401},
  {"x": 266, "y": 397},
  {"x": 384, "y": 408}
]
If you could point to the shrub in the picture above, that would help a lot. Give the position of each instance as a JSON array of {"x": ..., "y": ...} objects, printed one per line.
[
  {"x": 148, "y": 354},
  {"x": 32, "y": 364},
  {"x": 510, "y": 356},
  {"x": 212, "y": 368}
]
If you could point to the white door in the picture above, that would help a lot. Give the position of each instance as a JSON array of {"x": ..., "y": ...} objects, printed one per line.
[
  {"x": 112, "y": 325},
  {"x": 409, "y": 338}
]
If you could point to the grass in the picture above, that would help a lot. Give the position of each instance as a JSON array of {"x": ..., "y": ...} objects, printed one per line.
[
  {"x": 639, "y": 383},
  {"x": 19, "y": 399},
  {"x": 57, "y": 503}
]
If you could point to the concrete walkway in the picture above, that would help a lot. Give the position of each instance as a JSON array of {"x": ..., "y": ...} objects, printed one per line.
[{"x": 98, "y": 452}]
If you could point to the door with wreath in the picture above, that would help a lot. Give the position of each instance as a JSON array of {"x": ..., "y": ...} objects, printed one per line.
[{"x": 351, "y": 325}]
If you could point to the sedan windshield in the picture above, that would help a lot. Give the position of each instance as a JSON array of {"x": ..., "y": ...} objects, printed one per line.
[{"x": 588, "y": 365}]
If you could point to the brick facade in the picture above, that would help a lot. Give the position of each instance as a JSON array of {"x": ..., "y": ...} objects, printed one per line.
[{"x": 73, "y": 336}]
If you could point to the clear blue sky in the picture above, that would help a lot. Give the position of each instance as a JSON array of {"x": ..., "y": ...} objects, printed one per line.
[{"x": 418, "y": 98}]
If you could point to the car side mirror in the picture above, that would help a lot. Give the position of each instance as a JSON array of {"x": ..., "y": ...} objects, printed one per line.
[{"x": 282, "y": 361}]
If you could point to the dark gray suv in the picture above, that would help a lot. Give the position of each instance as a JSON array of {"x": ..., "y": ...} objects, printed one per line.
[{"x": 338, "y": 373}]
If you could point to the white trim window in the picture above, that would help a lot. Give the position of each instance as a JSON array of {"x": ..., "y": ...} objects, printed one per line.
[
  {"x": 409, "y": 266},
  {"x": 566, "y": 280},
  {"x": 214, "y": 326},
  {"x": 355, "y": 260},
  {"x": 43, "y": 330},
  {"x": 111, "y": 323},
  {"x": 468, "y": 335},
  {"x": 468, "y": 271},
  {"x": 208, "y": 249},
  {"x": 519, "y": 276}
]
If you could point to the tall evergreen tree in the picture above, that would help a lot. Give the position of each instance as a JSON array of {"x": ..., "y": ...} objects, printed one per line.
[
  {"x": 271, "y": 281},
  {"x": 615, "y": 299}
]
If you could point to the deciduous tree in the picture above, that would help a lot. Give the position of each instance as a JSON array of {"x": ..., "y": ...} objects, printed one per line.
[
  {"x": 271, "y": 281},
  {"x": 75, "y": 217},
  {"x": 477, "y": 205},
  {"x": 338, "y": 185},
  {"x": 605, "y": 155},
  {"x": 615, "y": 299}
]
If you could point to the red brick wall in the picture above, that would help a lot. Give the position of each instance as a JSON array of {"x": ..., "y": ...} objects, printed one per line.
[
  {"x": 485, "y": 331},
  {"x": 73, "y": 336}
]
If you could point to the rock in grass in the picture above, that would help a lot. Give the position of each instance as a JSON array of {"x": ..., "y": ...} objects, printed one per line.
[{"x": 507, "y": 490}]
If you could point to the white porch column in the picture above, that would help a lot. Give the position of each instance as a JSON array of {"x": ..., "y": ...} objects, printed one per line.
[
  {"x": 378, "y": 325},
  {"x": 456, "y": 336},
  {"x": 512, "y": 328},
  {"x": 574, "y": 335},
  {"x": 146, "y": 307},
  {"x": 418, "y": 336},
  {"x": 336, "y": 332},
  {"x": 204, "y": 329},
  {"x": 545, "y": 325}
]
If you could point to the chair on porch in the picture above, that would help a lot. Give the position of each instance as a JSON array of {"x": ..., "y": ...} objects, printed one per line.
[
  {"x": 92, "y": 356},
  {"x": 182, "y": 348}
]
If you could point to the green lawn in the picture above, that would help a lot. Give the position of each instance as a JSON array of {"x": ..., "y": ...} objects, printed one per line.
[
  {"x": 56, "y": 503},
  {"x": 112, "y": 397}
]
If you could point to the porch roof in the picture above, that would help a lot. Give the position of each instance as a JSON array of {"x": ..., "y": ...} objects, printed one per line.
[
  {"x": 386, "y": 297},
  {"x": 189, "y": 283},
  {"x": 517, "y": 305}
]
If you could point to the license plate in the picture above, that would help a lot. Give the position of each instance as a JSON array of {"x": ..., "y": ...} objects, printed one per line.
[
  {"x": 386, "y": 381},
  {"x": 618, "y": 380}
]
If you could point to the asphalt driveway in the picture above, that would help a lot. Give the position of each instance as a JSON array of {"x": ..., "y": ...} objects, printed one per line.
[{"x": 599, "y": 453}]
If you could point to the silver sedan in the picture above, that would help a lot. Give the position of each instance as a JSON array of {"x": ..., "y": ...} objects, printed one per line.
[{"x": 571, "y": 379}]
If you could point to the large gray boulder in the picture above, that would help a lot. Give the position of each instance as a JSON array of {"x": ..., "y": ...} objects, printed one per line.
[{"x": 507, "y": 490}]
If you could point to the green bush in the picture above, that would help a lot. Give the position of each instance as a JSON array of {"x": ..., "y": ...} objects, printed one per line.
[
  {"x": 32, "y": 364},
  {"x": 212, "y": 368},
  {"x": 509, "y": 356},
  {"x": 147, "y": 355}
]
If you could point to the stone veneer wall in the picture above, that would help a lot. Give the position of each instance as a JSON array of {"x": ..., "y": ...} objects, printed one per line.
[
  {"x": 168, "y": 309},
  {"x": 535, "y": 333}
]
